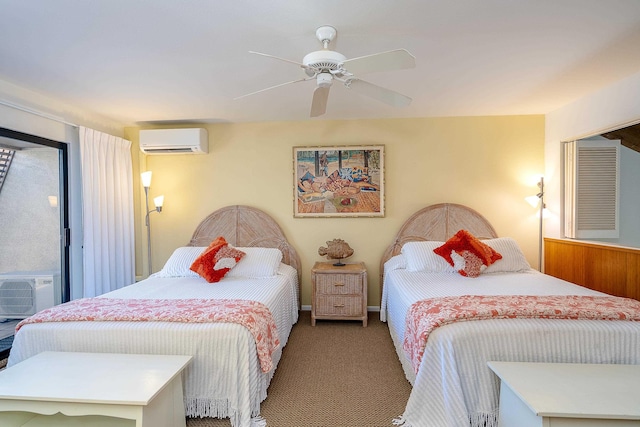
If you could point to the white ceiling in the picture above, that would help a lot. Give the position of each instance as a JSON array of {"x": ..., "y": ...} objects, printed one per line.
[{"x": 171, "y": 61}]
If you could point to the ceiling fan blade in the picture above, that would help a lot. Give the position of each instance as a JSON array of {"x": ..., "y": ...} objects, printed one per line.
[
  {"x": 376, "y": 92},
  {"x": 306, "y": 67},
  {"x": 273, "y": 87},
  {"x": 319, "y": 103},
  {"x": 398, "y": 59}
]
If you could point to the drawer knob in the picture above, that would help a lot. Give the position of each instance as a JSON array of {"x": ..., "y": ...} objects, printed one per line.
[
  {"x": 338, "y": 284},
  {"x": 338, "y": 305}
]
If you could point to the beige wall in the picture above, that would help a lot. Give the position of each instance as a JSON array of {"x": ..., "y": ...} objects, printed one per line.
[{"x": 488, "y": 163}]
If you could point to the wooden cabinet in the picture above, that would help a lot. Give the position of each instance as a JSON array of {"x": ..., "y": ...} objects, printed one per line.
[
  {"x": 611, "y": 269},
  {"x": 339, "y": 293}
]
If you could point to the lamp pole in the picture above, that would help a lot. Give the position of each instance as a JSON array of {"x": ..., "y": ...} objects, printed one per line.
[
  {"x": 146, "y": 196},
  {"x": 541, "y": 196},
  {"x": 146, "y": 183}
]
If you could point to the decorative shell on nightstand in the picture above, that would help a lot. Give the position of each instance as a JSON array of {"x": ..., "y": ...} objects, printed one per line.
[{"x": 336, "y": 249}]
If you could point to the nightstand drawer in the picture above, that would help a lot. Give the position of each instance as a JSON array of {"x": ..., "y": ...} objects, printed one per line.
[
  {"x": 339, "y": 305},
  {"x": 339, "y": 284}
]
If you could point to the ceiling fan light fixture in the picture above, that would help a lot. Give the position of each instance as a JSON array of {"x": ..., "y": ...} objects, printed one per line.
[{"x": 324, "y": 80}]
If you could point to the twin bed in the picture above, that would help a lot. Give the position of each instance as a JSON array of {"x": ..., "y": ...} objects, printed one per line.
[
  {"x": 225, "y": 377},
  {"x": 452, "y": 385}
]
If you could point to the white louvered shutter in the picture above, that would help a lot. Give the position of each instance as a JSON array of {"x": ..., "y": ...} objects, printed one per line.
[{"x": 592, "y": 188}]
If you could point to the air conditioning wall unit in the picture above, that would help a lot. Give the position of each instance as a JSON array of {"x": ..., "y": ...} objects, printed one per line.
[
  {"x": 23, "y": 294},
  {"x": 174, "y": 141}
]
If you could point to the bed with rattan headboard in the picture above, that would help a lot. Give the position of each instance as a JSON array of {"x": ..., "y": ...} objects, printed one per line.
[
  {"x": 437, "y": 222},
  {"x": 228, "y": 376},
  {"x": 452, "y": 384},
  {"x": 246, "y": 226}
]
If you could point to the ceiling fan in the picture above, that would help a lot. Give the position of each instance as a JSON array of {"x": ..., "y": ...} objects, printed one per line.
[{"x": 324, "y": 66}]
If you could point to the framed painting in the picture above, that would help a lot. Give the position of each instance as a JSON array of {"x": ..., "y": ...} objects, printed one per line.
[{"x": 338, "y": 181}]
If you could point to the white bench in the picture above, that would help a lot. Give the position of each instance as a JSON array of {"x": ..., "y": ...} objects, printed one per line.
[
  {"x": 568, "y": 394},
  {"x": 93, "y": 390}
]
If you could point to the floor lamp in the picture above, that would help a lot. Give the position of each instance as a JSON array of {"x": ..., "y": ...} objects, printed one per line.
[
  {"x": 538, "y": 200},
  {"x": 158, "y": 201}
]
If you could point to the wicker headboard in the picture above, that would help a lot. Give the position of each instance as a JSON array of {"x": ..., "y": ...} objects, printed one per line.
[
  {"x": 246, "y": 226},
  {"x": 438, "y": 222}
]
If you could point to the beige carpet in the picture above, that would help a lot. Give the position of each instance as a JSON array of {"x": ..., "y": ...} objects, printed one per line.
[{"x": 334, "y": 374}]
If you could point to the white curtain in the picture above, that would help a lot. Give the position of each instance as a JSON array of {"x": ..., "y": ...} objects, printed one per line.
[{"x": 107, "y": 212}]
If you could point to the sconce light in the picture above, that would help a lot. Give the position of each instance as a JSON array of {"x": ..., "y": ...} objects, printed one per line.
[
  {"x": 158, "y": 201},
  {"x": 538, "y": 200}
]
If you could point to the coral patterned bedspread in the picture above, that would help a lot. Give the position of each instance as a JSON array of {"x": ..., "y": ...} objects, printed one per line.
[
  {"x": 426, "y": 315},
  {"x": 253, "y": 315}
]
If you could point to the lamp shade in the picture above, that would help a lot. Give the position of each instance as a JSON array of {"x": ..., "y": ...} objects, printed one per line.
[
  {"x": 146, "y": 179},
  {"x": 533, "y": 200},
  {"x": 158, "y": 201}
]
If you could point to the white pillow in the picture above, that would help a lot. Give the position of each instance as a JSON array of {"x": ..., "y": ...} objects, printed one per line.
[
  {"x": 396, "y": 262},
  {"x": 420, "y": 257},
  {"x": 513, "y": 260},
  {"x": 179, "y": 262},
  {"x": 258, "y": 262}
]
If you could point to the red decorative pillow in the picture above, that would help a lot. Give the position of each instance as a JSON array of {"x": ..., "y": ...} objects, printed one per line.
[
  {"x": 216, "y": 261},
  {"x": 467, "y": 254}
]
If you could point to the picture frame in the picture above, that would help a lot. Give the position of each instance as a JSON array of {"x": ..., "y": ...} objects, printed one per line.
[{"x": 338, "y": 181}]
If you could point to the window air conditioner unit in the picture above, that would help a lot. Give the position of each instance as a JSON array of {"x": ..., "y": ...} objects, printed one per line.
[
  {"x": 174, "y": 141},
  {"x": 23, "y": 294}
]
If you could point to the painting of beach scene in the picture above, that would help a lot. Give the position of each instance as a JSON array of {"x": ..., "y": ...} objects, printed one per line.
[{"x": 339, "y": 181}]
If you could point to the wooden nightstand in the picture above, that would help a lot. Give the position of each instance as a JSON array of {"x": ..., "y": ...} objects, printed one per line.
[{"x": 339, "y": 293}]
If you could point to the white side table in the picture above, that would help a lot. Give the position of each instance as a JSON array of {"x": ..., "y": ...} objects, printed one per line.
[
  {"x": 93, "y": 389},
  {"x": 568, "y": 394}
]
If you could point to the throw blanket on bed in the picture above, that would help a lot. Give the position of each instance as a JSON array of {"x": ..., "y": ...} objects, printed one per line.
[
  {"x": 426, "y": 315},
  {"x": 253, "y": 315}
]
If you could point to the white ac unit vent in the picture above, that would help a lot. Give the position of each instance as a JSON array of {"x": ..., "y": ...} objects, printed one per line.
[
  {"x": 174, "y": 141},
  {"x": 23, "y": 294}
]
